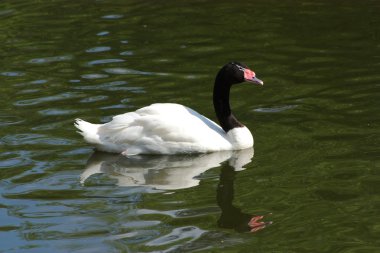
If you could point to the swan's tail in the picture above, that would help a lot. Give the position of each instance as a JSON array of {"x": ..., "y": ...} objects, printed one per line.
[{"x": 88, "y": 131}]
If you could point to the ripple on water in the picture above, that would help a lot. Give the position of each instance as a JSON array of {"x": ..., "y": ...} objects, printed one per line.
[
  {"x": 193, "y": 77},
  {"x": 125, "y": 71},
  {"x": 40, "y": 100},
  {"x": 56, "y": 112},
  {"x": 49, "y": 126},
  {"x": 12, "y": 73},
  {"x": 141, "y": 224},
  {"x": 13, "y": 159},
  {"x": 118, "y": 106},
  {"x": 7, "y": 120},
  {"x": 98, "y": 49},
  {"x": 94, "y": 76},
  {"x": 275, "y": 109},
  {"x": 103, "y": 33},
  {"x": 126, "y": 53},
  {"x": 190, "y": 233},
  {"x": 111, "y": 86},
  {"x": 51, "y": 59},
  {"x": 104, "y": 61},
  {"x": 7, "y": 12},
  {"x": 112, "y": 16},
  {"x": 26, "y": 139},
  {"x": 205, "y": 49},
  {"x": 39, "y": 81},
  {"x": 102, "y": 86},
  {"x": 181, "y": 213},
  {"x": 29, "y": 91},
  {"x": 93, "y": 99}
]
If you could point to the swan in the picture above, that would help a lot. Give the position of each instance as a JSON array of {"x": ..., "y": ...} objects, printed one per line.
[{"x": 168, "y": 128}]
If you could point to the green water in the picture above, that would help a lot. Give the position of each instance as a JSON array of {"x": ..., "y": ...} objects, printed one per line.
[{"x": 315, "y": 172}]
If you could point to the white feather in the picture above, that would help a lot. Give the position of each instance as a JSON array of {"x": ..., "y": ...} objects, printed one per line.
[{"x": 163, "y": 129}]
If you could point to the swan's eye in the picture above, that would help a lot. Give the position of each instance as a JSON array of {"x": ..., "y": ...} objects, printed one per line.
[{"x": 240, "y": 67}]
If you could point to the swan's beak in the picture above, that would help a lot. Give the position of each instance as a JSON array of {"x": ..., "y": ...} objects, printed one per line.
[
  {"x": 255, "y": 80},
  {"x": 250, "y": 76}
]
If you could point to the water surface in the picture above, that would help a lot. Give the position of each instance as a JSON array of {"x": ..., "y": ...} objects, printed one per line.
[{"x": 315, "y": 169}]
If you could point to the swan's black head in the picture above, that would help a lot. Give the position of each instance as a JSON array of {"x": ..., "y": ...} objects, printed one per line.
[{"x": 236, "y": 72}]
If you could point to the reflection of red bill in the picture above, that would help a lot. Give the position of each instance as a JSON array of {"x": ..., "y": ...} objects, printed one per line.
[{"x": 256, "y": 224}]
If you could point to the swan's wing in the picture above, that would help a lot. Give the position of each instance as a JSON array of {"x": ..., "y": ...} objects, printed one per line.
[{"x": 163, "y": 127}]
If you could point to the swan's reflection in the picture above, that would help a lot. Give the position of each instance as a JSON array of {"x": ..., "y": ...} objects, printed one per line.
[
  {"x": 162, "y": 172},
  {"x": 231, "y": 216},
  {"x": 179, "y": 172}
]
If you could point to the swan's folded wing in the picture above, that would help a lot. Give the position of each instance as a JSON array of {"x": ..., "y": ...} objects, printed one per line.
[{"x": 162, "y": 128}]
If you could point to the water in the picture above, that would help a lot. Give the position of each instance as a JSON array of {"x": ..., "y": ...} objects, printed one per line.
[{"x": 315, "y": 169}]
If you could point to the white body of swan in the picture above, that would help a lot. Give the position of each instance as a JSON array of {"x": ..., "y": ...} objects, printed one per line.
[{"x": 163, "y": 129}]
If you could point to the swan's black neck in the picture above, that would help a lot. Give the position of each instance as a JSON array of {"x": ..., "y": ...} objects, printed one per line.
[{"x": 222, "y": 107}]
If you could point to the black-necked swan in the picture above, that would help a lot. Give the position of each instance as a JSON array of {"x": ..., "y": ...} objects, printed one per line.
[{"x": 166, "y": 128}]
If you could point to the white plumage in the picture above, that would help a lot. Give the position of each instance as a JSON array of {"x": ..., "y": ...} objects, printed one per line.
[{"x": 163, "y": 129}]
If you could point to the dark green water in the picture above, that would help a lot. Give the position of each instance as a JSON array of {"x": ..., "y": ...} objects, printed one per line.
[{"x": 316, "y": 169}]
